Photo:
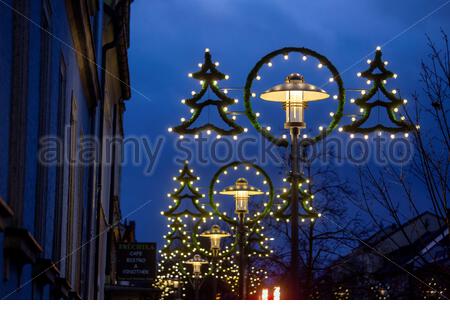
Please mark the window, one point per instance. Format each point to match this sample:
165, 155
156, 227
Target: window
44, 122
18, 114
61, 124
70, 245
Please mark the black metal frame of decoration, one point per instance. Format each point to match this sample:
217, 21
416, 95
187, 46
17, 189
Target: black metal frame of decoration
307, 52
363, 102
249, 222
208, 82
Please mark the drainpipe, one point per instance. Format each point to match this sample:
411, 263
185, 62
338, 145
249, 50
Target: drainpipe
106, 47
92, 187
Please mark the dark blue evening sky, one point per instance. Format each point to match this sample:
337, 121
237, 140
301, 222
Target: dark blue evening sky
168, 38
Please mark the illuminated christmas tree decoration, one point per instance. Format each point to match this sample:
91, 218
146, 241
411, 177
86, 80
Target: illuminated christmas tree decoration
209, 77
378, 73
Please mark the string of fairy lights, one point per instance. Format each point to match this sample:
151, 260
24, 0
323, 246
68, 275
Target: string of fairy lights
209, 78
185, 225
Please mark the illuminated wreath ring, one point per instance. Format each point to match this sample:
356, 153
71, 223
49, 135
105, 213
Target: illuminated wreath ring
249, 222
306, 52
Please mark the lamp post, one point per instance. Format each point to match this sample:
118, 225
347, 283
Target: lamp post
294, 94
241, 191
197, 261
175, 283
215, 234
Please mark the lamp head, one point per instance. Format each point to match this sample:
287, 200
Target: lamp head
295, 94
241, 191
215, 234
294, 86
197, 261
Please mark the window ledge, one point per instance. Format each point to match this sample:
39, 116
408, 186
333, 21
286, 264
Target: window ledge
62, 288
20, 246
74, 295
6, 214
45, 271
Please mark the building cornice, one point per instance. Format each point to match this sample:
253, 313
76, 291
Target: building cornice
83, 42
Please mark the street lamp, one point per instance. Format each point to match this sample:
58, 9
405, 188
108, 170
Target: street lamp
215, 234
197, 261
174, 282
294, 94
241, 191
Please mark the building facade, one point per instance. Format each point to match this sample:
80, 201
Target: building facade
407, 261
64, 80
